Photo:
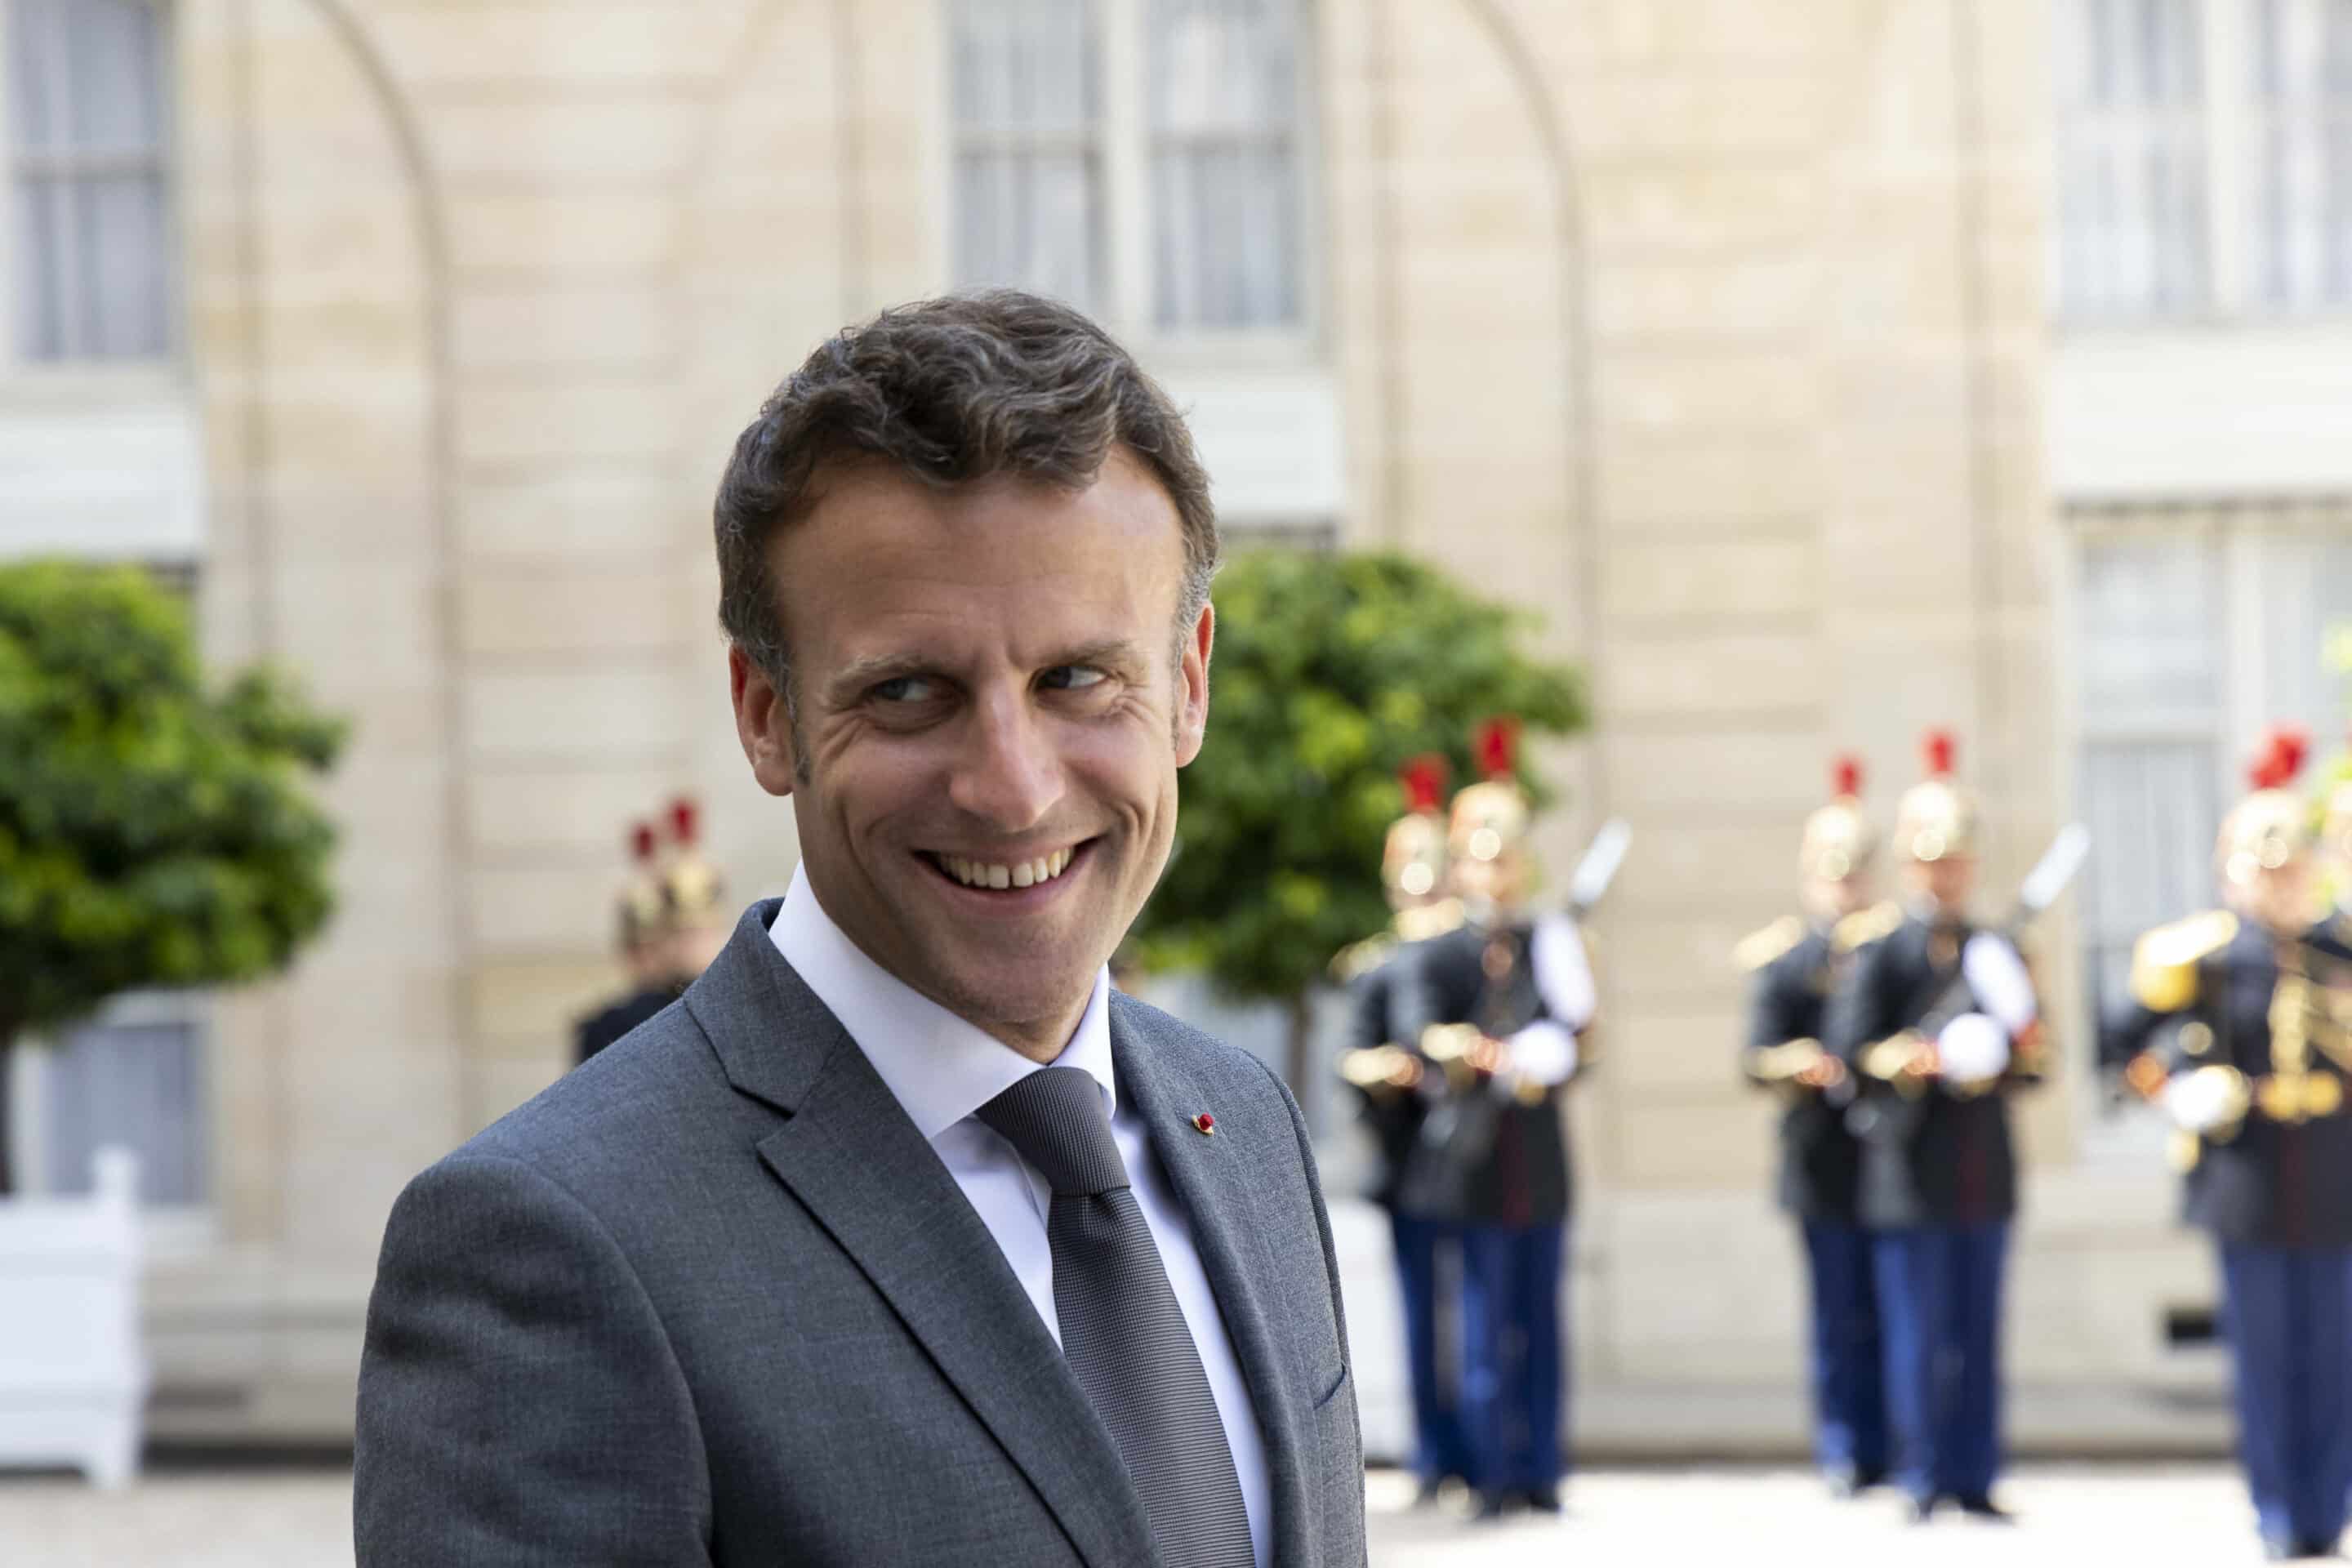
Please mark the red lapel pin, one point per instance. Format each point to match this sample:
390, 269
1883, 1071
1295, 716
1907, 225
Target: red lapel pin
1204, 1124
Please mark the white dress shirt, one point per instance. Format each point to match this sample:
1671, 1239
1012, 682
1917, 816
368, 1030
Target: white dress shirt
942, 1068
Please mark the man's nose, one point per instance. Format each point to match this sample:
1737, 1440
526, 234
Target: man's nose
1007, 774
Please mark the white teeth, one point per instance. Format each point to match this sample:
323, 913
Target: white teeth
1027, 874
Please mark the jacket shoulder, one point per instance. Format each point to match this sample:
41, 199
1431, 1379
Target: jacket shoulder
2165, 960
1771, 944
1866, 926
1196, 1049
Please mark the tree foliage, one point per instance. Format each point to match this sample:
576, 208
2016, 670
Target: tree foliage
1330, 672
154, 831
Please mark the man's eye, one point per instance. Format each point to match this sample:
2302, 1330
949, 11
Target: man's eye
1073, 678
902, 688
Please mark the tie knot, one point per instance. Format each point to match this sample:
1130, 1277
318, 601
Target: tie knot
1055, 1117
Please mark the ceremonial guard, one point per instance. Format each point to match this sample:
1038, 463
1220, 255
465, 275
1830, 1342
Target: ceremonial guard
1500, 1003
1795, 962
673, 920
1395, 1087
644, 932
2239, 1027
1937, 1022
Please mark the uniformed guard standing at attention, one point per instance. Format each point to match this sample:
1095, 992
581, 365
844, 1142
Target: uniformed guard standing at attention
2238, 1027
1937, 1022
1795, 962
1396, 1086
696, 895
644, 932
1501, 1003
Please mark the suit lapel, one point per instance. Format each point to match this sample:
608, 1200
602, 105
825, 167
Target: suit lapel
1212, 1177
849, 1152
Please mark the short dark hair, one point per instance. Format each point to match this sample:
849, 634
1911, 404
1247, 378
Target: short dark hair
947, 390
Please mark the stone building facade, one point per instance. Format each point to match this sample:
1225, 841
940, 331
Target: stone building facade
1713, 330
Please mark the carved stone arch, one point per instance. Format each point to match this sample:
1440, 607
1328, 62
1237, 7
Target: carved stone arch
318, 351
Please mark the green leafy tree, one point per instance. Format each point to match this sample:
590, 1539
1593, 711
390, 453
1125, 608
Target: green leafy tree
1330, 672
154, 831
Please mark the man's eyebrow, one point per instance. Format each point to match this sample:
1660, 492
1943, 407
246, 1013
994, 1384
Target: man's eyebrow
1116, 652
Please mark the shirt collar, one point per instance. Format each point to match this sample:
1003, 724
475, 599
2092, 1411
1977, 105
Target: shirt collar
940, 1067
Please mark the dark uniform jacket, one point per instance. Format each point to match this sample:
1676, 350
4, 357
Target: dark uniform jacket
1392, 1115
1484, 1156
2280, 1174
1820, 1160
1934, 1152
603, 1028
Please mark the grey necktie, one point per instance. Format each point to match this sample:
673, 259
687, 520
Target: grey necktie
1122, 1331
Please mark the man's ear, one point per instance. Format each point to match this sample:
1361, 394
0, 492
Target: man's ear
762, 723
1192, 685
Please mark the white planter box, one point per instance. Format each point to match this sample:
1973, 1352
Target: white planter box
73, 1377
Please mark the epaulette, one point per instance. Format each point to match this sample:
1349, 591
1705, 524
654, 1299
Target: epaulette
1429, 920
1759, 948
1358, 959
1866, 926
2164, 962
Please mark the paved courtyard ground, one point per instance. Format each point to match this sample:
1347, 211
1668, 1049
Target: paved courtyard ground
2143, 1516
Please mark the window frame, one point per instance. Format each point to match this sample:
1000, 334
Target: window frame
87, 380
1123, 140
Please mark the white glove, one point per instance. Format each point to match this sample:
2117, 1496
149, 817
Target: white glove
1996, 973
1543, 1053
1972, 1047
2201, 1102
1563, 975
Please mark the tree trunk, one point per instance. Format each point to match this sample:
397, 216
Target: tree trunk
1301, 1013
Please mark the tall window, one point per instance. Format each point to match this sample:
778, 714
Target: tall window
1138, 158
88, 259
2301, 139
2204, 157
2194, 632
2132, 184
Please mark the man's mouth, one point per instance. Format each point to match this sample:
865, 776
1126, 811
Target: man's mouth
1004, 875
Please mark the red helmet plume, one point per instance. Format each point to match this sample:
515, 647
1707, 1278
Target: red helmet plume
1845, 776
685, 819
2280, 759
1423, 779
642, 840
1937, 749
1497, 746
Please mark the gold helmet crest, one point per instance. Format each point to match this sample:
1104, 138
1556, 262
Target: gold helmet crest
1838, 839
1412, 861
2272, 826
1936, 819
1491, 818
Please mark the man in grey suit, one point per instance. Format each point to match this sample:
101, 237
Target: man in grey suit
901, 1238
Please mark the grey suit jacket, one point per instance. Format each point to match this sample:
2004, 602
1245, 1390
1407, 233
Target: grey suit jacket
712, 1299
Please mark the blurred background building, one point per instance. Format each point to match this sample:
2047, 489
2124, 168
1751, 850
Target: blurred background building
1819, 369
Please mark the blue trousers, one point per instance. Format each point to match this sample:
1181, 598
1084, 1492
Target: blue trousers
1513, 1385
1429, 1258
2288, 1316
1849, 1387
1939, 1314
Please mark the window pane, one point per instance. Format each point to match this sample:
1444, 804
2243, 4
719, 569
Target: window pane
120, 240
1028, 204
138, 1084
2131, 158
41, 232
1028, 220
1224, 177
2148, 616
111, 47
2301, 181
37, 116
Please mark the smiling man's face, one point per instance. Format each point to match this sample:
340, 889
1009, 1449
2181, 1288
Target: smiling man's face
992, 701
